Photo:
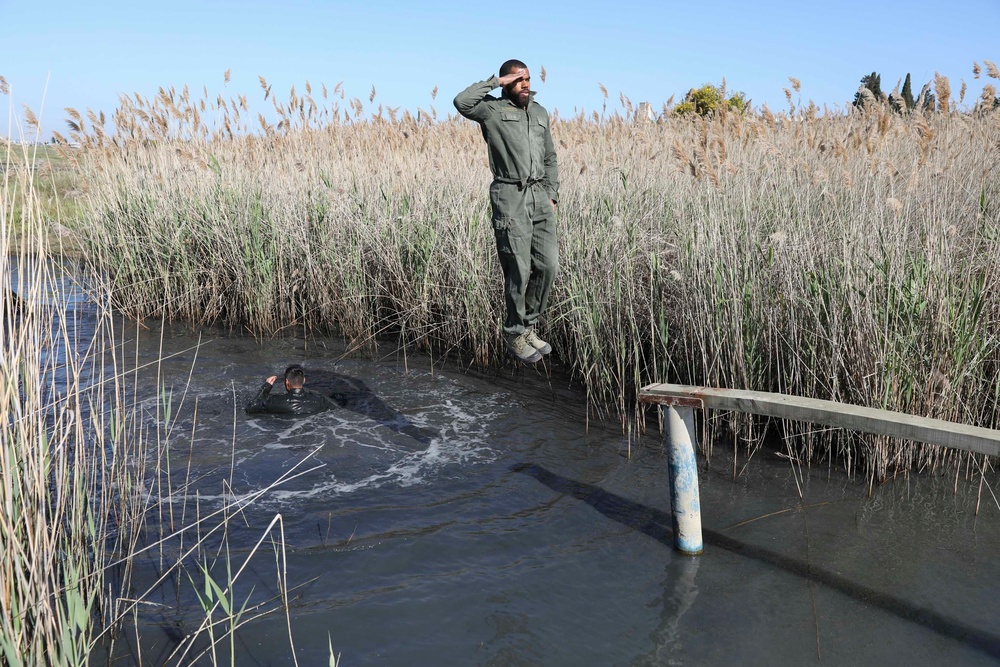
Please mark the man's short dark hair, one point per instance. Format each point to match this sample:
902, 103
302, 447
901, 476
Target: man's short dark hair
295, 375
509, 65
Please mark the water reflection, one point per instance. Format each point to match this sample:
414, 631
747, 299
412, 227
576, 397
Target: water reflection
657, 524
11, 304
679, 594
419, 527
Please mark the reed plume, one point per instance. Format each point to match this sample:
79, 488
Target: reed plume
942, 90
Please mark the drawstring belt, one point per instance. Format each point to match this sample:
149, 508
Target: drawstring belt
521, 184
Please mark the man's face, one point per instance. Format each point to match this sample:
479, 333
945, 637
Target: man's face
520, 90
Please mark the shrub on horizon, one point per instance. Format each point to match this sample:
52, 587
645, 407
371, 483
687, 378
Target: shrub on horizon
710, 98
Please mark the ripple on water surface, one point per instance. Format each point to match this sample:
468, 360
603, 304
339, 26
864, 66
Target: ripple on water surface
451, 519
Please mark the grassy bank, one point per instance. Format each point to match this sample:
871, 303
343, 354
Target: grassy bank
64, 499
86, 486
848, 257
53, 194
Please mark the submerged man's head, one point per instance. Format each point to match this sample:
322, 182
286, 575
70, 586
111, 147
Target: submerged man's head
295, 377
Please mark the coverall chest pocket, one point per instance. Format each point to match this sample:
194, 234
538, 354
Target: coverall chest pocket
538, 129
512, 126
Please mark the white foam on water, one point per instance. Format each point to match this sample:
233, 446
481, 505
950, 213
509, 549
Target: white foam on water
435, 426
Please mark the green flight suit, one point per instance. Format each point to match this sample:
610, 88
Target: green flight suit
525, 183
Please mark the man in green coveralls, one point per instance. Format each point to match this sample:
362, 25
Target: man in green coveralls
524, 195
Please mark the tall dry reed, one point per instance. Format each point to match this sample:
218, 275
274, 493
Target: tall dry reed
64, 500
86, 488
842, 256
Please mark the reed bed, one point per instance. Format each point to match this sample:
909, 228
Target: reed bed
57, 488
846, 256
86, 487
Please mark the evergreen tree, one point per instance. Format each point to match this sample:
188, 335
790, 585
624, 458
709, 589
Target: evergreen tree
908, 94
926, 100
873, 82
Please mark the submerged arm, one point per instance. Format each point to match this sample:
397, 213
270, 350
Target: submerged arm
258, 403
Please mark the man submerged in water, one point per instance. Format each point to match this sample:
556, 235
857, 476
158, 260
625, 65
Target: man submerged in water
295, 401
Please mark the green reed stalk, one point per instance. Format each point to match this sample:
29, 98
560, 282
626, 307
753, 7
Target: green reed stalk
76, 496
56, 490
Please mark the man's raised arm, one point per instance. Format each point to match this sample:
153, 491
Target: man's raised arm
469, 101
258, 403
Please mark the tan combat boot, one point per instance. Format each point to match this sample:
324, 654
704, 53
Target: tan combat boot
518, 346
536, 342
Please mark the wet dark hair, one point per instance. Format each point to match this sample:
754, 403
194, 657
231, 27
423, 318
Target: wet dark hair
511, 64
295, 375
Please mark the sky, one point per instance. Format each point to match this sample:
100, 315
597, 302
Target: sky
57, 54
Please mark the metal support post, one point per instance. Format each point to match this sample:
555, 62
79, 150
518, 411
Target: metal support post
684, 498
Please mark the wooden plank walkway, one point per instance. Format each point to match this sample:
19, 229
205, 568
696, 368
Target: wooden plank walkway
869, 420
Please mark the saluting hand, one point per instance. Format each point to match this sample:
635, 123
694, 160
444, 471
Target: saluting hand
509, 78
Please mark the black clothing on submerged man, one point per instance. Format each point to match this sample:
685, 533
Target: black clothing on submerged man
295, 401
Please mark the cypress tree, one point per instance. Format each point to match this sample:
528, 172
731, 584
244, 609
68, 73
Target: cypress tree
872, 82
908, 94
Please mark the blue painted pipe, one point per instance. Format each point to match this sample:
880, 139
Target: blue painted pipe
684, 497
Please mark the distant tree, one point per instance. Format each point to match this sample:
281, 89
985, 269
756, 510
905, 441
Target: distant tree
870, 92
873, 84
902, 102
709, 99
926, 100
908, 94
988, 101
